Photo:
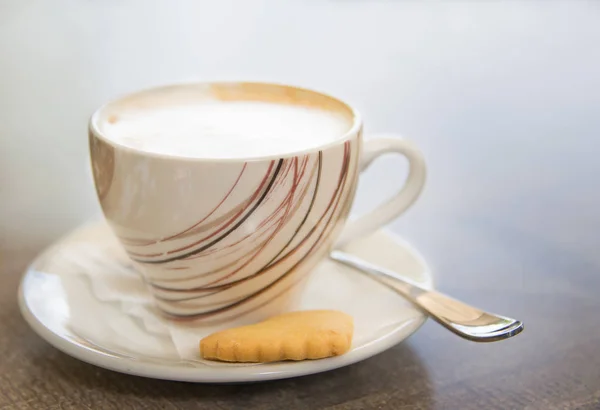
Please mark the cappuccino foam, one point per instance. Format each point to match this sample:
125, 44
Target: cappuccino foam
217, 129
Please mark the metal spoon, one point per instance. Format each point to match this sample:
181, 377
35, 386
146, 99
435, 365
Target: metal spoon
462, 319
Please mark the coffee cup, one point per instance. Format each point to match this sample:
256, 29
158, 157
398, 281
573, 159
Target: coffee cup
226, 195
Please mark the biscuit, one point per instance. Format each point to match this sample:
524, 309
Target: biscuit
311, 334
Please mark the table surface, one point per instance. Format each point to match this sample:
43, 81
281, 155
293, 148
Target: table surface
502, 97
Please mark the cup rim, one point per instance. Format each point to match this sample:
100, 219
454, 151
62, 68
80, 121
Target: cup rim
356, 125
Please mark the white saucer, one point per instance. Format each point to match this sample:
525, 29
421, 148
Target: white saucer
65, 305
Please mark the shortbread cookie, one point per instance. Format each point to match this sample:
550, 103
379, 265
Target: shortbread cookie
311, 334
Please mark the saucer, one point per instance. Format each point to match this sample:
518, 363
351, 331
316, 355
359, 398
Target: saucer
70, 297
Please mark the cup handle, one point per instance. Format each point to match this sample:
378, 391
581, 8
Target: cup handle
401, 201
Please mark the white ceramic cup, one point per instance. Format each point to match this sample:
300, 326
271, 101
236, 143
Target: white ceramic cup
218, 239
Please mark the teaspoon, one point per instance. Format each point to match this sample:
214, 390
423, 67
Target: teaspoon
464, 320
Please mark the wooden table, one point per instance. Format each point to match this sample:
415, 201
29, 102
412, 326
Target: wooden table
501, 96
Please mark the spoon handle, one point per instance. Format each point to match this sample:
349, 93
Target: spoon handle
464, 320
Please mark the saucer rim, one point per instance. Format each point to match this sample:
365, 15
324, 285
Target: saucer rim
209, 374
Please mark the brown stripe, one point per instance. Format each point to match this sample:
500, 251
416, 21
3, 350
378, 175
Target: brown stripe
261, 270
229, 217
288, 201
214, 209
261, 225
261, 291
182, 233
336, 195
220, 269
336, 198
230, 221
217, 240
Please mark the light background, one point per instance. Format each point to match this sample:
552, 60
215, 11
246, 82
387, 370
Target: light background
503, 97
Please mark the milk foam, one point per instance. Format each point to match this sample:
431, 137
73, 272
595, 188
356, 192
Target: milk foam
215, 129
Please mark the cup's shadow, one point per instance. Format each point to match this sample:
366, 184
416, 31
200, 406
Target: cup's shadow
396, 376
